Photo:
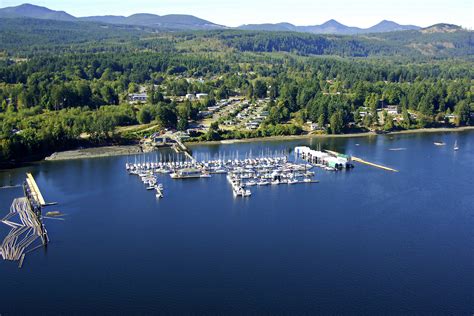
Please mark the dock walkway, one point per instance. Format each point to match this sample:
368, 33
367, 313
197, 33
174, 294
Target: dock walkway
34, 190
180, 147
360, 160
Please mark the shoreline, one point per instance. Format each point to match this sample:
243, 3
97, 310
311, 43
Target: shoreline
351, 135
108, 151
94, 152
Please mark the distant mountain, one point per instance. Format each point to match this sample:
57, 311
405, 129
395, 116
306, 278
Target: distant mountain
171, 21
278, 27
110, 19
168, 22
441, 28
331, 27
188, 22
36, 12
390, 26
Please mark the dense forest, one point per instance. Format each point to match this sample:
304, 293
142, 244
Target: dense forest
66, 84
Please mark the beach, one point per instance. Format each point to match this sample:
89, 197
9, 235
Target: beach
95, 152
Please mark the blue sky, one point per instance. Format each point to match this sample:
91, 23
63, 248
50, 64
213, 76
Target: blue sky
362, 13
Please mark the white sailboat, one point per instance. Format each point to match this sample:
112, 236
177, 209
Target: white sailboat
456, 147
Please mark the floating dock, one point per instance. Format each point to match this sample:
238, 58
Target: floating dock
34, 190
360, 160
373, 164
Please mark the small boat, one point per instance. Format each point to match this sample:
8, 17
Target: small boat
293, 181
246, 193
240, 191
251, 183
397, 149
456, 147
263, 182
439, 143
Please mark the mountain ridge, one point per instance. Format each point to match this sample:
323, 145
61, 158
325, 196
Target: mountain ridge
331, 27
33, 11
190, 22
170, 21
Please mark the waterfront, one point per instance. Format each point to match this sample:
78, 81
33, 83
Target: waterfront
364, 240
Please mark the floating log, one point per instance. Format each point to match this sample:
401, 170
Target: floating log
21, 261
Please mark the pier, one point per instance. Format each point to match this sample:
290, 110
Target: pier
179, 146
34, 190
360, 160
25, 219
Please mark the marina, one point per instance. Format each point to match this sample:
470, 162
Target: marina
266, 168
273, 168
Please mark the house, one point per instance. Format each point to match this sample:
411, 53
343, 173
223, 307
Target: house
190, 97
213, 108
252, 125
182, 135
163, 140
201, 96
313, 126
140, 97
160, 140
451, 118
204, 114
229, 122
392, 109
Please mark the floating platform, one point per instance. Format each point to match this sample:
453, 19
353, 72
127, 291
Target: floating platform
360, 160
34, 190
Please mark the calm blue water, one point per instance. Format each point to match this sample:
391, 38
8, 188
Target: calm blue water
364, 241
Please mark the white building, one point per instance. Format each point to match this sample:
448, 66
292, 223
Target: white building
392, 109
201, 96
137, 97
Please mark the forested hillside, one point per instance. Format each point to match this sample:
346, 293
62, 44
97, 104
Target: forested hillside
22, 36
64, 84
